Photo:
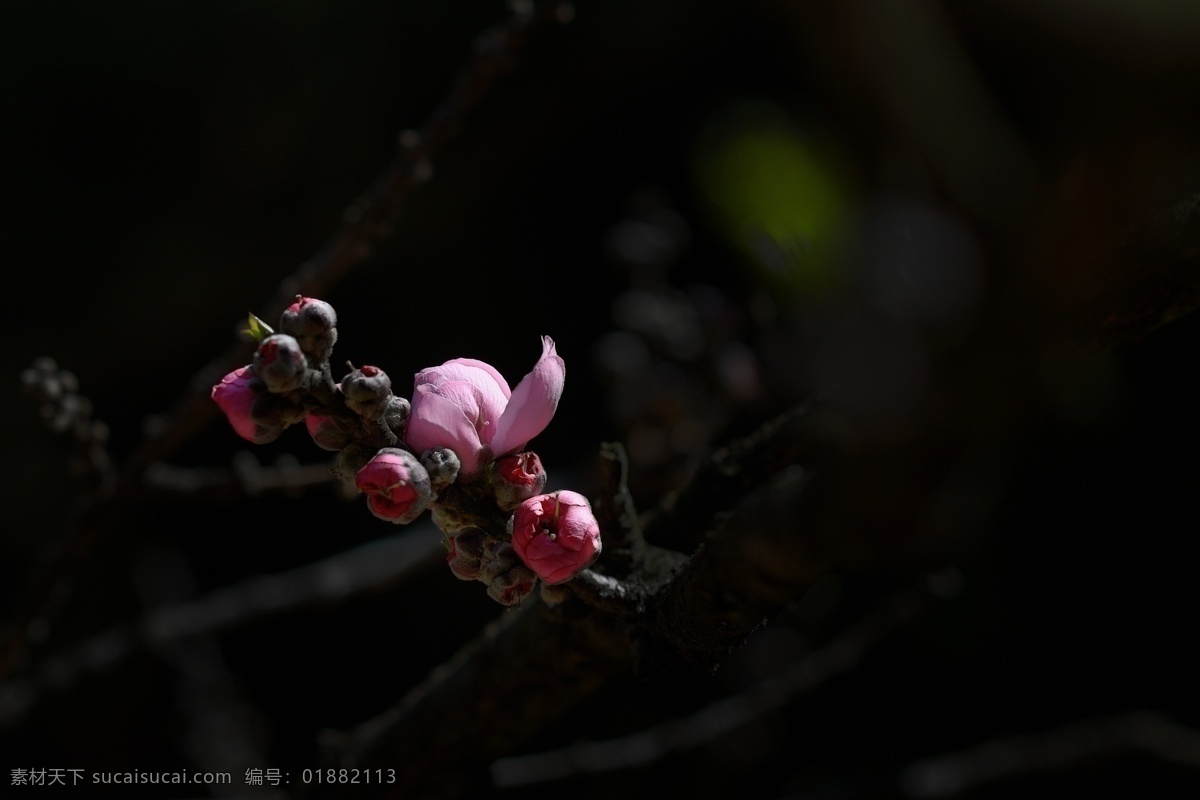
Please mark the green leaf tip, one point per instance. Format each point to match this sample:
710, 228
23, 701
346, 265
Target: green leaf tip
257, 329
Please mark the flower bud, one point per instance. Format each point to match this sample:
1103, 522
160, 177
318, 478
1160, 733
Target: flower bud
396, 485
442, 466
395, 415
277, 410
330, 431
517, 478
556, 535
314, 325
513, 586
236, 395
466, 553
367, 391
280, 364
498, 557
450, 518
350, 459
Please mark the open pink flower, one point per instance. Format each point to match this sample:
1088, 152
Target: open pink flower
556, 535
466, 406
396, 485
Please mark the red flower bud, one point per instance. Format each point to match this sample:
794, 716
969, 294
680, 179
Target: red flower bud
556, 535
396, 485
517, 478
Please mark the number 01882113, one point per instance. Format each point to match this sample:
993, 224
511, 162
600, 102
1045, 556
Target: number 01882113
348, 776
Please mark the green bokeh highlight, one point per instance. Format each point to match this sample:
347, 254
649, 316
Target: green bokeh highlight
776, 194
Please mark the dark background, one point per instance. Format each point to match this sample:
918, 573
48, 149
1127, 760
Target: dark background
168, 164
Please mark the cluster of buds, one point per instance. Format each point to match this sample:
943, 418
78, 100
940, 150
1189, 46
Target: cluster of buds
457, 449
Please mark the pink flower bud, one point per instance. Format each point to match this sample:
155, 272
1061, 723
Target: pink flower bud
517, 478
235, 395
556, 535
466, 405
280, 364
396, 485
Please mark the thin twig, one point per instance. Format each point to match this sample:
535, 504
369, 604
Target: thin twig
245, 477
334, 579
1139, 732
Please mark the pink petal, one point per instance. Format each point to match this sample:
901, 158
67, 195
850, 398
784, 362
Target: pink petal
438, 420
493, 389
533, 402
486, 367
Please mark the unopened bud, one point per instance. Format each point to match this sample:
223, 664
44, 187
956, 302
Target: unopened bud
396, 485
516, 478
442, 465
331, 431
451, 520
276, 410
350, 459
466, 553
498, 558
280, 364
513, 586
367, 391
395, 415
313, 323
236, 394
556, 535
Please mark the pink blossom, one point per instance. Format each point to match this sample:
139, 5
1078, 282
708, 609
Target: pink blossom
235, 395
466, 406
556, 535
396, 485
